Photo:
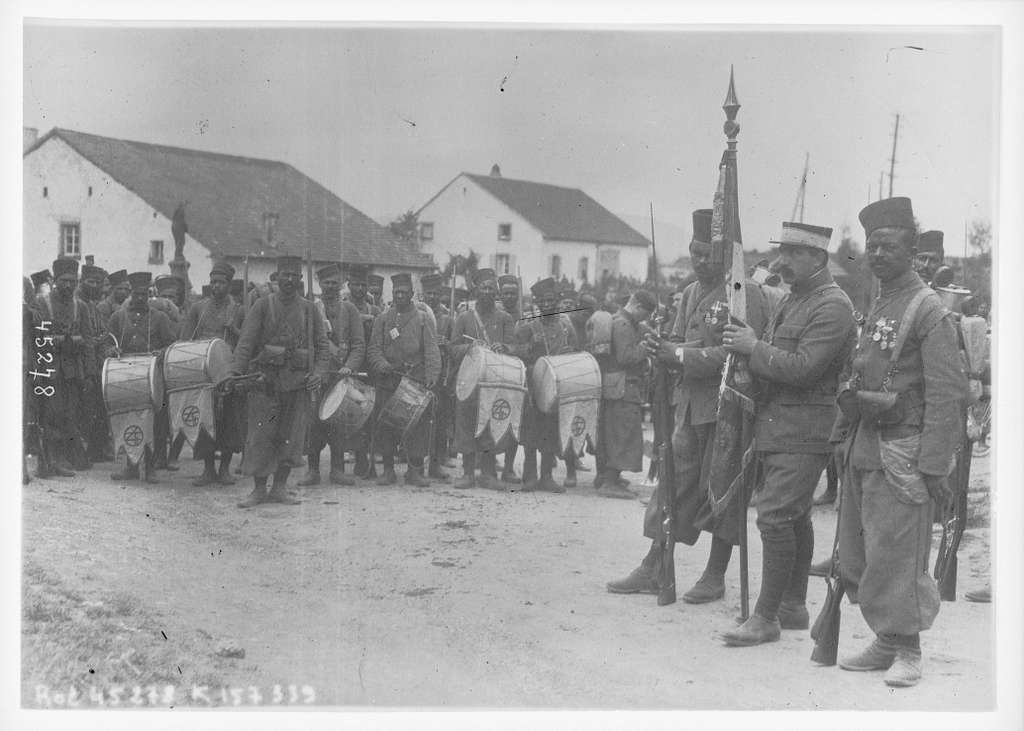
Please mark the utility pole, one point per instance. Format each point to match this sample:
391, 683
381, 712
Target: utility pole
798, 204
892, 160
881, 177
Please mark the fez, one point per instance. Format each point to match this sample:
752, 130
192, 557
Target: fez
804, 234
167, 281
568, 294
91, 272
507, 279
65, 266
402, 279
140, 280
289, 264
118, 277
702, 226
931, 241
888, 213
544, 286
40, 277
331, 270
588, 301
484, 275
431, 282
223, 269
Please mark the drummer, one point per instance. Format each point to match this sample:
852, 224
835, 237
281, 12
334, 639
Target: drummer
511, 302
140, 329
348, 349
218, 316
403, 343
368, 311
430, 285
549, 333
492, 328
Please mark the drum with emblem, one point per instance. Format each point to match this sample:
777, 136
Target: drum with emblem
569, 377
196, 363
132, 383
348, 405
406, 407
482, 366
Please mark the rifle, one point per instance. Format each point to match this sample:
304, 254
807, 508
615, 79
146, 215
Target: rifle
954, 521
310, 328
825, 631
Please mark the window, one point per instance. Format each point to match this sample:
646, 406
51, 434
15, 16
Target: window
556, 266
504, 232
71, 240
156, 252
503, 264
426, 232
582, 269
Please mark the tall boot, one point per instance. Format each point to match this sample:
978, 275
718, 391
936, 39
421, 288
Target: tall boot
777, 567
468, 479
414, 473
793, 610
489, 473
547, 483
644, 578
711, 585
313, 472
209, 475
338, 476
258, 494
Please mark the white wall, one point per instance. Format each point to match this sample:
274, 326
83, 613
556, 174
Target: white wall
116, 225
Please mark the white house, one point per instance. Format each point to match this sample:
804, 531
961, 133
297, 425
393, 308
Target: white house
115, 199
536, 229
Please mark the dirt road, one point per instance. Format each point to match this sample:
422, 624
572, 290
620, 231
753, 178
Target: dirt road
397, 596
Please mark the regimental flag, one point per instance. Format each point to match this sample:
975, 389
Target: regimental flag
191, 409
133, 432
500, 408
577, 422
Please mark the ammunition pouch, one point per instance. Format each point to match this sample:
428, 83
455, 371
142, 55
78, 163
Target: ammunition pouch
881, 408
280, 356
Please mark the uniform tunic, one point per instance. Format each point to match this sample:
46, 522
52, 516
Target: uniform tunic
885, 529
348, 350
805, 347
537, 337
407, 343
94, 424
498, 327
223, 319
697, 327
279, 415
444, 418
620, 436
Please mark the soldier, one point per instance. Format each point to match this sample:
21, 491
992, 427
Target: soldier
119, 291
805, 347
403, 343
142, 329
276, 341
73, 367
170, 298
41, 281
94, 425
930, 257
694, 351
494, 328
549, 333
375, 288
620, 434
898, 447
348, 349
218, 316
511, 303
367, 314
444, 394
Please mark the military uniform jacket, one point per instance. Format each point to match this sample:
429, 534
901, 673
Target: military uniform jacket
348, 341
798, 363
209, 318
68, 320
627, 358
699, 321
544, 335
367, 314
100, 342
928, 375
283, 324
407, 342
141, 331
107, 307
498, 327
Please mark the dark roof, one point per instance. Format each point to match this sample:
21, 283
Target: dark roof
227, 196
565, 214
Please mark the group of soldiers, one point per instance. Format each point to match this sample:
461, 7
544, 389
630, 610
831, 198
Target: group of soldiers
882, 395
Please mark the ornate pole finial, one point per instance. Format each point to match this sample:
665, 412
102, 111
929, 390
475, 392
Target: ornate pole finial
731, 107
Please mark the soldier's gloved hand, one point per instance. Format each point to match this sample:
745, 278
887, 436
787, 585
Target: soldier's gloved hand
938, 489
344, 372
313, 381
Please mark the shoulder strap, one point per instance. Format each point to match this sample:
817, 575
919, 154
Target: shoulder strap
906, 323
480, 327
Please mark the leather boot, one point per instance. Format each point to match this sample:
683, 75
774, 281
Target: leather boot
709, 587
508, 476
312, 473
755, 631
414, 477
388, 477
224, 475
340, 478
362, 467
642, 580
981, 596
279, 494
490, 482
879, 655
793, 616
905, 670
436, 473
208, 477
466, 482
257, 496
547, 484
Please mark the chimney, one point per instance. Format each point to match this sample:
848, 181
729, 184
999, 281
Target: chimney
495, 171
29, 135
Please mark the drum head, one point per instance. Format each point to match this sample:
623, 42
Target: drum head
545, 388
330, 402
469, 373
218, 360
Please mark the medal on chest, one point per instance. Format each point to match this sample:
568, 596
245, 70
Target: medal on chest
718, 312
883, 333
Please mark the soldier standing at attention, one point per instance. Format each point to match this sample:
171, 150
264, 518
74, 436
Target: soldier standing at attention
404, 343
510, 302
899, 447
367, 314
94, 426
275, 340
444, 392
218, 316
142, 330
348, 349
808, 339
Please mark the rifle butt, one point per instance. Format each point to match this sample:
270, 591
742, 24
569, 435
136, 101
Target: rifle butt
667, 577
947, 581
825, 631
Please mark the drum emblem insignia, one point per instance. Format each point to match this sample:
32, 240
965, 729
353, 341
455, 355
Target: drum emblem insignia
190, 415
501, 410
133, 435
579, 424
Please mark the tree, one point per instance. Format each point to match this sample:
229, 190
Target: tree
406, 227
979, 238
462, 265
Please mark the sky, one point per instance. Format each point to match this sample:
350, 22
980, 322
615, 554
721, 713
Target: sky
385, 117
